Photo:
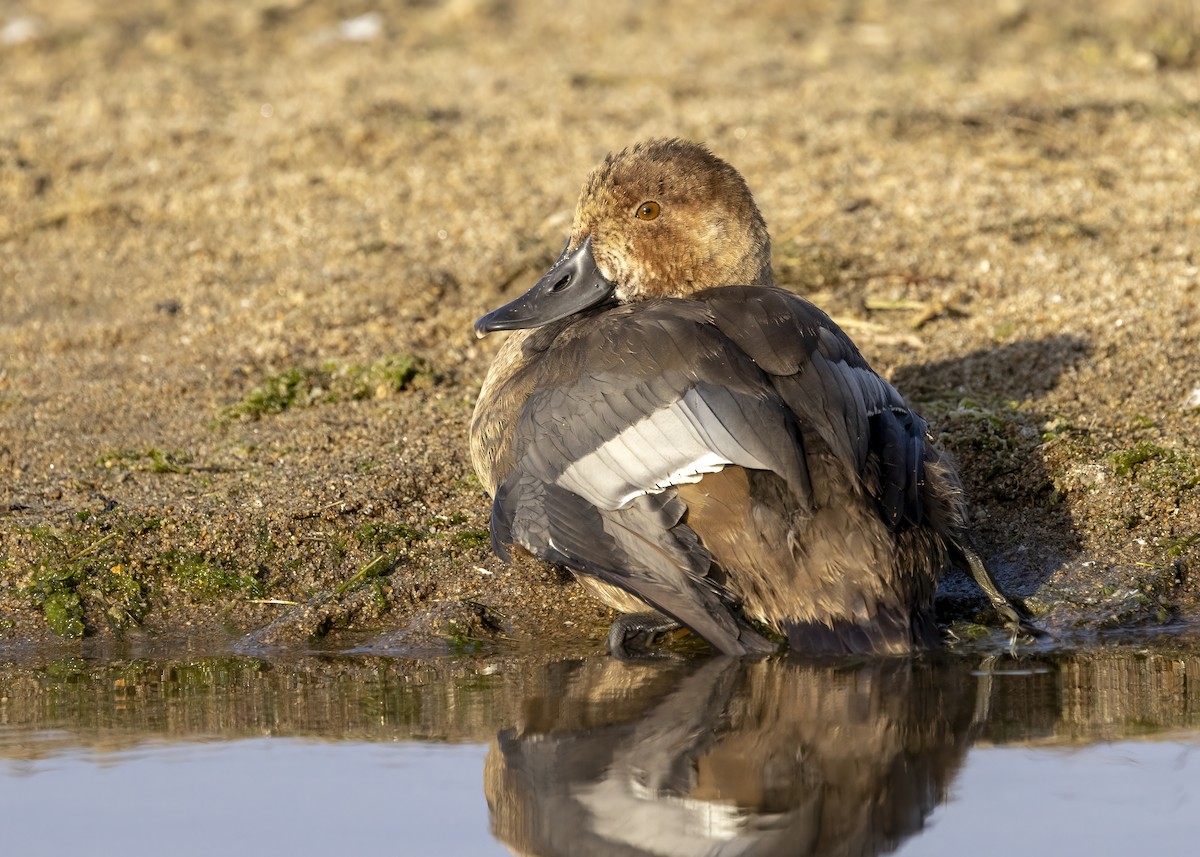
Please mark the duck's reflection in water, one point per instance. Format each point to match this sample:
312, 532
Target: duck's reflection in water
718, 757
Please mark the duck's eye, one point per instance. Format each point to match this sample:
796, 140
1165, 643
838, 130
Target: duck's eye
648, 210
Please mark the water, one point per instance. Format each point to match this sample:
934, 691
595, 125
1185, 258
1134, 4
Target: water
248, 796
1086, 752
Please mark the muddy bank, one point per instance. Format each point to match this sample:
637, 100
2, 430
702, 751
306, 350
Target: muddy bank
241, 246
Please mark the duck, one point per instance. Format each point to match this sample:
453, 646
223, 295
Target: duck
703, 449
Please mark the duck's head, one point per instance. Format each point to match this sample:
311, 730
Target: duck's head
664, 218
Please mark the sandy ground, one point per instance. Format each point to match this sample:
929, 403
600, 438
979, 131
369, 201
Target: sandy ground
241, 246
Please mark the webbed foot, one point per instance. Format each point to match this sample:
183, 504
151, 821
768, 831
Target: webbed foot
632, 634
1021, 626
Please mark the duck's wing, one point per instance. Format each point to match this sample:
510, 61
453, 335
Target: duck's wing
817, 370
642, 548
884, 444
630, 403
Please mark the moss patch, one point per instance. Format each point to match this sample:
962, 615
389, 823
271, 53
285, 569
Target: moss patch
1125, 462
471, 538
329, 383
150, 460
207, 577
84, 573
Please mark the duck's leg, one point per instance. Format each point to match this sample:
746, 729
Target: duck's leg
1000, 602
632, 634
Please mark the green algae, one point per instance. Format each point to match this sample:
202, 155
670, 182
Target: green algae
331, 382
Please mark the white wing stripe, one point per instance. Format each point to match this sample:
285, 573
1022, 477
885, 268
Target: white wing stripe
668, 447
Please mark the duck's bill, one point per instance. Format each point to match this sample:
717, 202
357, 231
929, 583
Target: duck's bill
572, 285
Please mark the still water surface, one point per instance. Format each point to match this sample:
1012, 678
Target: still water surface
1087, 752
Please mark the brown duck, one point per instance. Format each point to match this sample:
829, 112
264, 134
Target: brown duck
702, 448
